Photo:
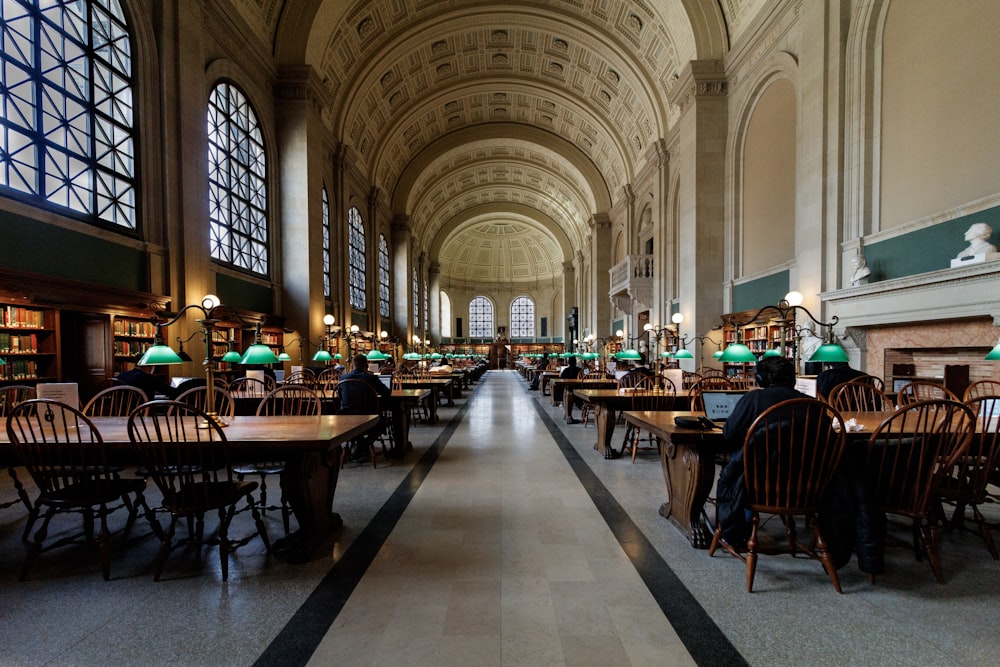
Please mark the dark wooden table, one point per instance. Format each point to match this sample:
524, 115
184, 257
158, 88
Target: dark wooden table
436, 386
607, 404
688, 460
563, 390
309, 446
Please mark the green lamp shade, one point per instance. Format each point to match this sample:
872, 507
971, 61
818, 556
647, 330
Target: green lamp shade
437, 355
717, 354
994, 354
665, 355
322, 355
683, 354
829, 352
773, 352
411, 356
2, 362
375, 355
159, 355
284, 357
737, 353
338, 356
629, 355
259, 353
231, 357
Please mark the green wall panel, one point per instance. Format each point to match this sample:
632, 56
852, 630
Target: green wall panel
765, 291
243, 294
929, 249
29, 245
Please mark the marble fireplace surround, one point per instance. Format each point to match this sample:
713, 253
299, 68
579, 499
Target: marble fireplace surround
950, 308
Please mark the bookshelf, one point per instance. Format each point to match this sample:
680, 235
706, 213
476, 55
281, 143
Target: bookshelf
760, 336
131, 336
29, 344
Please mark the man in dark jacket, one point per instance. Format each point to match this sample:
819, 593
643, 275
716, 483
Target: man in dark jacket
847, 519
836, 373
354, 402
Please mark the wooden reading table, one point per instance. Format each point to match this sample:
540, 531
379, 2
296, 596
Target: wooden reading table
607, 404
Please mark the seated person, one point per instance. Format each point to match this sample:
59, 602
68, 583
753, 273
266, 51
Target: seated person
541, 366
152, 385
571, 372
442, 367
847, 518
353, 402
837, 372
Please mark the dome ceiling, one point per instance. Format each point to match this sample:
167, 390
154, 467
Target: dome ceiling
487, 123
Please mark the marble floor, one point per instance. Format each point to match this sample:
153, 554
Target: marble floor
504, 539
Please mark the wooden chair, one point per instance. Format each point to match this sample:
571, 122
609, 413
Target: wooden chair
116, 401
922, 390
187, 456
65, 455
790, 455
304, 376
285, 400
648, 398
593, 376
250, 387
328, 379
707, 383
908, 456
982, 388
197, 397
742, 381
859, 396
966, 484
10, 397
362, 399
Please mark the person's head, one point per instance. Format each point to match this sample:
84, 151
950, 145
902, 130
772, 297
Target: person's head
359, 362
572, 362
775, 372
980, 230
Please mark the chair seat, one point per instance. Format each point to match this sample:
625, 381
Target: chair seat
94, 492
193, 498
262, 468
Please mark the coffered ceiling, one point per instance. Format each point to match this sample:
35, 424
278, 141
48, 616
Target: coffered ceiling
498, 126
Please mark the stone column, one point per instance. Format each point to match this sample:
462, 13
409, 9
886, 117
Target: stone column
569, 298
702, 127
299, 99
600, 264
401, 277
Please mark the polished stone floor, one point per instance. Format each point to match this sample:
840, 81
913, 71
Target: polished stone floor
502, 538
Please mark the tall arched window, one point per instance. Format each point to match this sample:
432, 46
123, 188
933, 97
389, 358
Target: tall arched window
237, 190
326, 244
383, 276
356, 258
427, 309
522, 318
416, 301
481, 318
445, 315
67, 135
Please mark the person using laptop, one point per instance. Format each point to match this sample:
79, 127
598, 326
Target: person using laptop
776, 377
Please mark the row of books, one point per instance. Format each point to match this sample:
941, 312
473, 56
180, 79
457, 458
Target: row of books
20, 317
19, 369
134, 328
14, 343
129, 348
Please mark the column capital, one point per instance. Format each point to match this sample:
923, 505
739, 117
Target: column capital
600, 221
401, 225
699, 78
434, 269
570, 266
301, 82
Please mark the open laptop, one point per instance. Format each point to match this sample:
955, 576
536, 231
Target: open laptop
719, 404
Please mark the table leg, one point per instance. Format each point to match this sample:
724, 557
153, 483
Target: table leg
568, 405
604, 419
308, 483
689, 473
401, 428
432, 419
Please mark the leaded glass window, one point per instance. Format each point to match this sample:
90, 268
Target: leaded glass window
445, 315
383, 276
481, 318
427, 308
356, 258
326, 245
522, 318
67, 135
416, 302
237, 189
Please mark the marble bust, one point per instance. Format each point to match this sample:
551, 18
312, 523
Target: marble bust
861, 270
978, 236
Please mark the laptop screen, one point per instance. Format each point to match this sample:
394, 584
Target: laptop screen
719, 404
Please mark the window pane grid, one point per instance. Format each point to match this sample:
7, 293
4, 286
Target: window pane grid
383, 276
66, 107
326, 245
522, 318
236, 182
356, 259
416, 301
481, 318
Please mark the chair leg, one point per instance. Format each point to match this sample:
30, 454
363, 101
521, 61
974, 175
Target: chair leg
104, 544
716, 539
826, 558
752, 551
165, 541
35, 545
929, 537
984, 530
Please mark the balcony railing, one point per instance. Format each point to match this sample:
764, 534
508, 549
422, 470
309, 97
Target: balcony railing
632, 280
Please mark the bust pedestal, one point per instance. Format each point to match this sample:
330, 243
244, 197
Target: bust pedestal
976, 258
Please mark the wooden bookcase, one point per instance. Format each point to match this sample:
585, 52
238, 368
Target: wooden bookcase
131, 337
760, 336
29, 343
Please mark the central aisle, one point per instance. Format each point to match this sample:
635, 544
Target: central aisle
501, 558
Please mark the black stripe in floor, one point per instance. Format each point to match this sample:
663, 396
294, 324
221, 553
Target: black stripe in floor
701, 636
301, 636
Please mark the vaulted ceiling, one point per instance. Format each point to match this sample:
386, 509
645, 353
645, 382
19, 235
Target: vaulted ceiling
502, 127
